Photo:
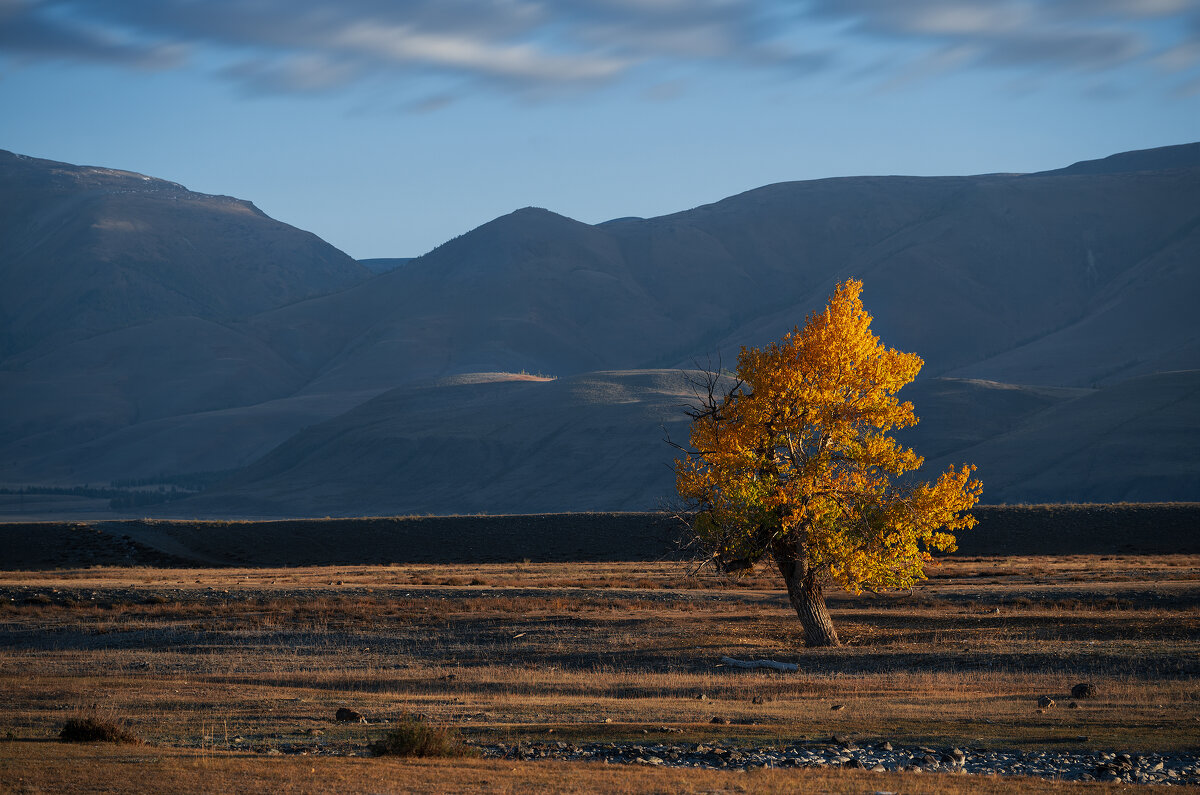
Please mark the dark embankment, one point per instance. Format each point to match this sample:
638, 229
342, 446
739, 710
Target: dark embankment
1125, 528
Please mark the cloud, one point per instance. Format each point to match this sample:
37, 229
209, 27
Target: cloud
1047, 35
318, 45
314, 45
547, 46
26, 31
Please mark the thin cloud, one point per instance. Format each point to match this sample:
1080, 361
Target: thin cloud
26, 31
1051, 35
547, 48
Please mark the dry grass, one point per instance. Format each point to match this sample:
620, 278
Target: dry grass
38, 768
215, 667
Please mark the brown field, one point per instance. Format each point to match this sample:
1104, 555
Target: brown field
216, 668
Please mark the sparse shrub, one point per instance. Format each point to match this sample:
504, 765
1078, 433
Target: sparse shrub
94, 730
413, 735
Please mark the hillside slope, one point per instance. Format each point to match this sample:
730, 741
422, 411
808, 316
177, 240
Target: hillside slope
85, 250
1025, 294
1022, 270
598, 442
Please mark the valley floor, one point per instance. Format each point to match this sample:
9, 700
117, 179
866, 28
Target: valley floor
232, 676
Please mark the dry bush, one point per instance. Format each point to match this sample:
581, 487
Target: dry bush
413, 735
96, 730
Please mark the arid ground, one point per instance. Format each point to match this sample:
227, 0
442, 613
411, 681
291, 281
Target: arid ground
232, 676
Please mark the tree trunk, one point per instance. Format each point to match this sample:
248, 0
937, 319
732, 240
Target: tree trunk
804, 592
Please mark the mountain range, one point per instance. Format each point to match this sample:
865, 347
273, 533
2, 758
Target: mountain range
536, 363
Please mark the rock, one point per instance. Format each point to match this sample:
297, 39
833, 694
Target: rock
347, 715
840, 739
1073, 705
1084, 690
1045, 701
837, 708
886, 746
758, 700
954, 756
719, 719
702, 697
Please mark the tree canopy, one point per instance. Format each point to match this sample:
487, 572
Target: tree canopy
794, 459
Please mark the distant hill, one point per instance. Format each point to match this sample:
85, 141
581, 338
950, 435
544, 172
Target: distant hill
596, 442
1053, 311
384, 264
1164, 158
85, 250
1028, 272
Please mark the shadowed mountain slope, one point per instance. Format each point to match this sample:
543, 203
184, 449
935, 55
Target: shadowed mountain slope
1026, 295
488, 443
85, 250
1021, 269
1163, 158
596, 442
1136, 441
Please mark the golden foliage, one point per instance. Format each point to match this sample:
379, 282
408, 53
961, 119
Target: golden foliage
798, 453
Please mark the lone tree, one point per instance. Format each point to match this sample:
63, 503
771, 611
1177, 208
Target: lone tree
794, 459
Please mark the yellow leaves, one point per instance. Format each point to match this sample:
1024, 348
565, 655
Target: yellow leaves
802, 450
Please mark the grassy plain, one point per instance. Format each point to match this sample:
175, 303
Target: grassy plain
218, 668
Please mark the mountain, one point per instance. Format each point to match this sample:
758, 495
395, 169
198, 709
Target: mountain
1052, 310
85, 250
485, 443
1022, 271
384, 264
1163, 158
596, 442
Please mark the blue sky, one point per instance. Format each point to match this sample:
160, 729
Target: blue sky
389, 127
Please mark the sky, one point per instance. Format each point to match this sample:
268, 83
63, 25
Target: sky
390, 126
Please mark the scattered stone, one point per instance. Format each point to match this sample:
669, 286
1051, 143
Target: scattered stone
1045, 701
1084, 690
1171, 768
347, 715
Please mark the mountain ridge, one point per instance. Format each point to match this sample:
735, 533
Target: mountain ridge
1026, 294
